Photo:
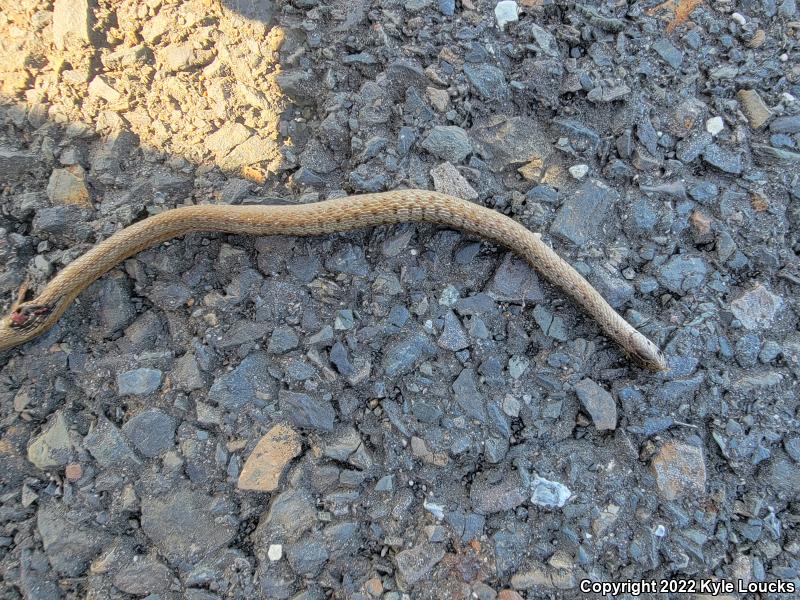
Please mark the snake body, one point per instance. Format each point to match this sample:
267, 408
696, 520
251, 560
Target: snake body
30, 319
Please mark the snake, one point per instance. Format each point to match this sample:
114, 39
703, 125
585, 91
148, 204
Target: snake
29, 319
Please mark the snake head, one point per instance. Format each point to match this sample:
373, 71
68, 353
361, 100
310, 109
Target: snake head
26, 321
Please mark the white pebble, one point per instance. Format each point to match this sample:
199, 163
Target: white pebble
714, 125
506, 11
275, 552
579, 171
739, 18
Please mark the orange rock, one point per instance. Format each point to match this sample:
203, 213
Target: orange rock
266, 463
508, 595
73, 472
680, 470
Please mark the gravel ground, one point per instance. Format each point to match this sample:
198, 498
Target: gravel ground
402, 412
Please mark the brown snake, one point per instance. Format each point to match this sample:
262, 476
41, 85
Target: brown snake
30, 319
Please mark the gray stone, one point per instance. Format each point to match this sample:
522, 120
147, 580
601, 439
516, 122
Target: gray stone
304, 411
108, 446
488, 81
52, 447
747, 349
341, 359
169, 296
682, 273
152, 432
582, 213
282, 340
248, 382
116, 308
513, 281
788, 8
16, 162
692, 147
69, 545
671, 55
447, 180
467, 395
400, 356
186, 373
448, 142
415, 563
307, 557
549, 494
492, 497
71, 23
145, 575
550, 324
598, 403
756, 308
723, 159
186, 525
790, 124
784, 476
453, 336
792, 447
139, 382
511, 141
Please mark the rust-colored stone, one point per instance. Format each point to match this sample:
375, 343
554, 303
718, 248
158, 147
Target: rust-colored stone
269, 458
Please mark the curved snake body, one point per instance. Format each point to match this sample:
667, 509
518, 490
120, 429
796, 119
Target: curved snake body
32, 318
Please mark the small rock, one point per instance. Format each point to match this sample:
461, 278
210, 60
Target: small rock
101, 88
71, 23
754, 108
579, 171
680, 470
682, 273
152, 432
447, 180
108, 446
304, 411
413, 564
275, 552
756, 308
143, 577
513, 281
453, 337
265, 465
715, 125
669, 53
723, 159
68, 186
506, 12
139, 382
582, 213
52, 447
489, 498
448, 142
186, 525
789, 125
73, 472
489, 81
282, 340
549, 494
598, 403
400, 356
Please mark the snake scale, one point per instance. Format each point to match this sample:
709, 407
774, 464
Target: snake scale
29, 319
